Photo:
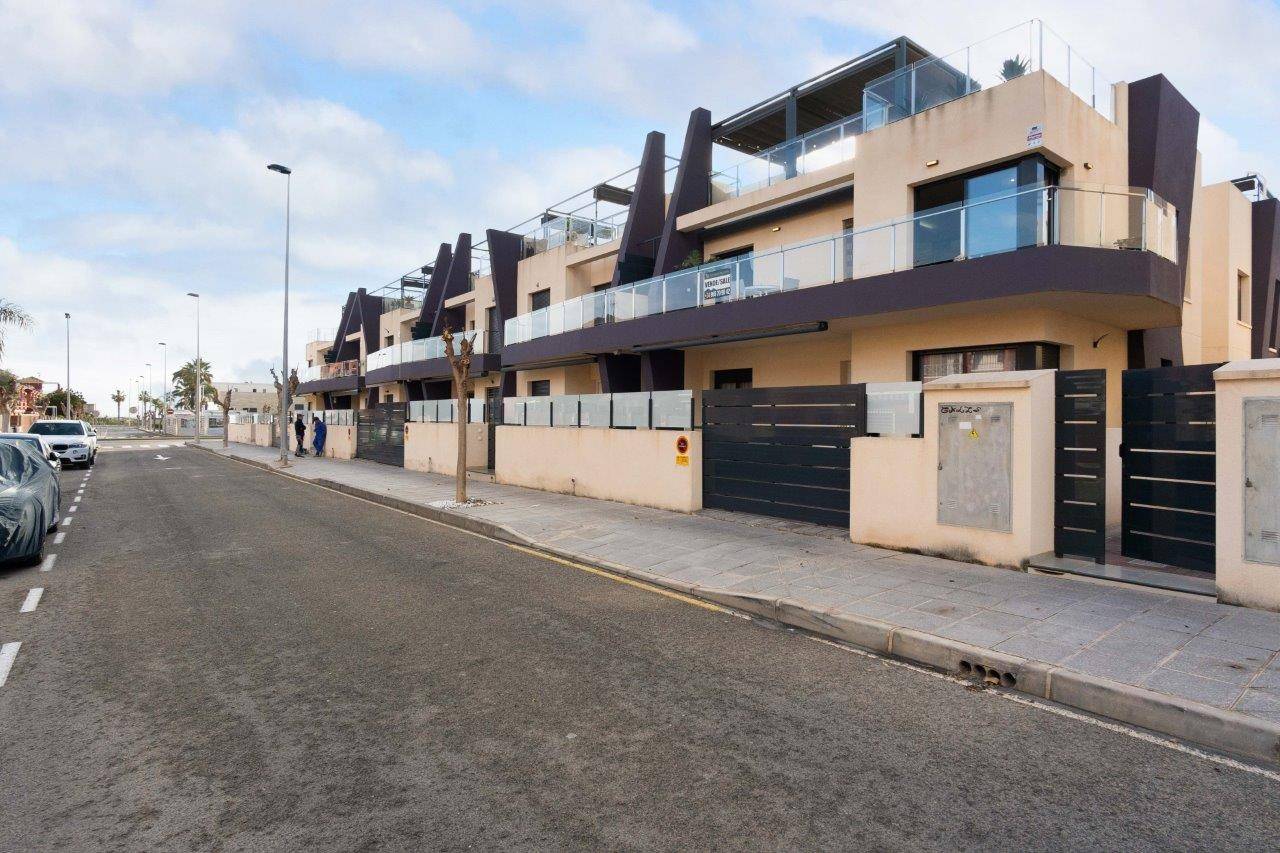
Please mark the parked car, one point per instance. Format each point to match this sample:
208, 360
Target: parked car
30, 497
40, 442
75, 442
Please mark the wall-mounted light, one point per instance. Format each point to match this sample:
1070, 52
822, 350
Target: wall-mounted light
776, 228
1088, 165
929, 164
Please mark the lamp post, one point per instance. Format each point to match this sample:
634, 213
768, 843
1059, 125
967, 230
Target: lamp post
284, 350
198, 387
164, 376
150, 387
68, 394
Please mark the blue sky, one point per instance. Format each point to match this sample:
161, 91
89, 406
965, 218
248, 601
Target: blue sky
135, 135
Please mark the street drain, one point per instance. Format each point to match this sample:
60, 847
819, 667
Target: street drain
988, 674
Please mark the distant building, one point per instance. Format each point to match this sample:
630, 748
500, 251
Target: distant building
253, 396
30, 390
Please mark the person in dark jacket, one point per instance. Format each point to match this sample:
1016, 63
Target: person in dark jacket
319, 432
300, 430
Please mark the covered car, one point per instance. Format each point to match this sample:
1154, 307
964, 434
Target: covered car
30, 496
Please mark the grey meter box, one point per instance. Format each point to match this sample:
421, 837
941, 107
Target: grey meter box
1262, 480
975, 465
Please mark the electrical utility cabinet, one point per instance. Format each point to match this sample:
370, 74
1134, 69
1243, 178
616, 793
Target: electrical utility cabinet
975, 465
1262, 480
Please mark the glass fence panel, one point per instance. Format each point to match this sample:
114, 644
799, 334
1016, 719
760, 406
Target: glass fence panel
938, 82
538, 323
564, 410
784, 161
672, 409
573, 314
1121, 221
417, 410
631, 410
555, 318
475, 411
445, 411
893, 408
935, 237
537, 411
762, 272
809, 265
680, 290
869, 252
593, 410
513, 411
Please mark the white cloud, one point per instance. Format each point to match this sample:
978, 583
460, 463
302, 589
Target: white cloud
114, 47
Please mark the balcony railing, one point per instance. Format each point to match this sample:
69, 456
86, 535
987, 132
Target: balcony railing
1024, 49
395, 303
321, 336
633, 410
1122, 218
815, 150
338, 369
419, 350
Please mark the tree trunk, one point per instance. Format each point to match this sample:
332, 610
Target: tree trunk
463, 415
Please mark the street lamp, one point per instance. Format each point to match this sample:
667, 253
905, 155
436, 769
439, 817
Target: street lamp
68, 394
150, 387
198, 387
284, 350
164, 375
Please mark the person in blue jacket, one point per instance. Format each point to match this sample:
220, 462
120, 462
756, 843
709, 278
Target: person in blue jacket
318, 433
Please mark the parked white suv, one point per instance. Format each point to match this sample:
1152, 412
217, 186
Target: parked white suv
75, 442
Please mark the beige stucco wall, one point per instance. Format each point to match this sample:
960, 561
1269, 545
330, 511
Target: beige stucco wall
1193, 286
630, 466
397, 324
823, 221
1227, 246
882, 353
576, 379
811, 359
240, 433
339, 441
894, 481
1239, 582
433, 447
982, 129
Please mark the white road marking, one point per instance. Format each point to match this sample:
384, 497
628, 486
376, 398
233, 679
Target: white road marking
77, 499
57, 540
72, 508
162, 458
49, 559
8, 652
33, 599
1062, 711
66, 522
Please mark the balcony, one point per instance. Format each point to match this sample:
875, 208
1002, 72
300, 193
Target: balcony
1021, 50
1097, 218
803, 155
338, 376
425, 359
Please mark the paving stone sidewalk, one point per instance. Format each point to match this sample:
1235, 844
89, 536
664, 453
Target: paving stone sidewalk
1189, 648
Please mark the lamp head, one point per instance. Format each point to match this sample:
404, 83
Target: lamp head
284, 170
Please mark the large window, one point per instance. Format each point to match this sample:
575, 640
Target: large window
1027, 356
540, 388
983, 213
539, 299
737, 378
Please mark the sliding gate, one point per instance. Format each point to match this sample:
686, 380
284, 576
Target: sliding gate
782, 452
1170, 468
380, 433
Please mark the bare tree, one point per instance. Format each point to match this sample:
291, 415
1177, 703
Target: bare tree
460, 362
224, 403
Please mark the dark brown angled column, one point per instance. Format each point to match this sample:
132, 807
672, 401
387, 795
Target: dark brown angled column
644, 219
431, 297
1163, 131
456, 281
505, 250
1266, 278
662, 370
619, 373
692, 192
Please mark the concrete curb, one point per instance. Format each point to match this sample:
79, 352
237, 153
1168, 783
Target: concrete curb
1203, 724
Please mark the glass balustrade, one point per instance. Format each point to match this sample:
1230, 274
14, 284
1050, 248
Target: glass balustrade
1006, 56
422, 350
818, 149
1120, 218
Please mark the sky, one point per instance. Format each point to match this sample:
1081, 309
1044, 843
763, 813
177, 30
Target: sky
135, 134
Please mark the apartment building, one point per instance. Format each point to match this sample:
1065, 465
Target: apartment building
900, 218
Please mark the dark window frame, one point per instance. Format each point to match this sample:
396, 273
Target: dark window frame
734, 377
1028, 355
539, 387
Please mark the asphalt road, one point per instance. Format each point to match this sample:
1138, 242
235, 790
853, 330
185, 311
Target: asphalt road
225, 659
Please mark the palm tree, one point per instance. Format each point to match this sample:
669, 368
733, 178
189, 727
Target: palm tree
12, 315
118, 398
185, 383
8, 395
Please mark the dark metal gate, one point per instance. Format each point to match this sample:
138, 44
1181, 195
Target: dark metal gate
1170, 467
492, 417
782, 452
1080, 464
380, 433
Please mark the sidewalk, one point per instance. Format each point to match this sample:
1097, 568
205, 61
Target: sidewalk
1188, 667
